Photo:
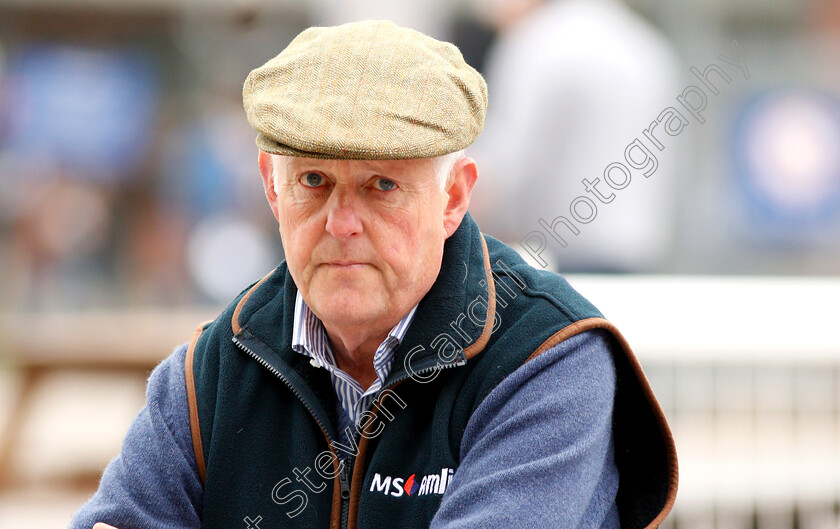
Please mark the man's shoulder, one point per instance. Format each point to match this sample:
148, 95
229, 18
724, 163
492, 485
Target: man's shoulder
266, 295
534, 289
534, 311
268, 289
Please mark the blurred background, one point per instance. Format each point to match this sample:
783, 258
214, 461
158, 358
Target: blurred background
680, 161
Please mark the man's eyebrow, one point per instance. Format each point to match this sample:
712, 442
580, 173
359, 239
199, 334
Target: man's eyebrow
297, 163
374, 166
295, 167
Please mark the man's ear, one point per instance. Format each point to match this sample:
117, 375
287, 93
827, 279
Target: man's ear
266, 164
462, 179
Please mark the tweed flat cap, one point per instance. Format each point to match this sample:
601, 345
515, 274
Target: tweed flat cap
365, 90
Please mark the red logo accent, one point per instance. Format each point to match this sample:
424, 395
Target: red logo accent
409, 485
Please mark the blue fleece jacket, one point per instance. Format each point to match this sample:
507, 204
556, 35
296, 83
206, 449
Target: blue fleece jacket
537, 451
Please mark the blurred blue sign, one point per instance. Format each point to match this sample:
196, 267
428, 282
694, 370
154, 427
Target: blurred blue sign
786, 153
88, 110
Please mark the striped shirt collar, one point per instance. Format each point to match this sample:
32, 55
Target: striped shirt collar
309, 338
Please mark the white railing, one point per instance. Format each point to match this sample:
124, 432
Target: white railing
748, 372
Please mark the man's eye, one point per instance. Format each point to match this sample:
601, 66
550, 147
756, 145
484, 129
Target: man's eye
312, 180
383, 184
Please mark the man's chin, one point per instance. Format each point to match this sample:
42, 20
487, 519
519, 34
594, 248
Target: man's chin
348, 307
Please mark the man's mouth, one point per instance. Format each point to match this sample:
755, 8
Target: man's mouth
349, 265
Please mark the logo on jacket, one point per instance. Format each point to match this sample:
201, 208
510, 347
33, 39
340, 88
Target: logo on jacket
412, 486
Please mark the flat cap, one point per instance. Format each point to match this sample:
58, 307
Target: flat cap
365, 90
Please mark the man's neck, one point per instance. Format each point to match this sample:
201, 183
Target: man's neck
354, 354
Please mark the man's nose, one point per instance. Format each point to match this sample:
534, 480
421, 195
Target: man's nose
343, 214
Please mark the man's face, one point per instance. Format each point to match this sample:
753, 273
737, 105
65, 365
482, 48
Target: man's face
363, 239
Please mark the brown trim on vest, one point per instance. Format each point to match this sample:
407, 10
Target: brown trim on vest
490, 319
359, 470
192, 403
234, 320
356, 483
335, 513
601, 323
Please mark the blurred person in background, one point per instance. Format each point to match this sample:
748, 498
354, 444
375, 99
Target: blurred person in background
573, 83
427, 16
66, 205
399, 369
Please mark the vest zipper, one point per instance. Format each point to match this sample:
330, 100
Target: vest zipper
346, 471
461, 362
344, 481
344, 475
280, 375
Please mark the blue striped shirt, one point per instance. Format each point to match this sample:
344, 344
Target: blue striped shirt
309, 338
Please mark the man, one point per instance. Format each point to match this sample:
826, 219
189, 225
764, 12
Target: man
399, 369
598, 74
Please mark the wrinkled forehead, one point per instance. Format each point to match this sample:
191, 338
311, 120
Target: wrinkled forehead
410, 167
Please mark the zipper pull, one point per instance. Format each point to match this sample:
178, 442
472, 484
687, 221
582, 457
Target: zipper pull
344, 479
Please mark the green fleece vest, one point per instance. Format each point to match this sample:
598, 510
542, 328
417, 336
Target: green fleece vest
262, 416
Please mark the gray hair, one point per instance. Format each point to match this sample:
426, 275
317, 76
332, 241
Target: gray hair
442, 166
